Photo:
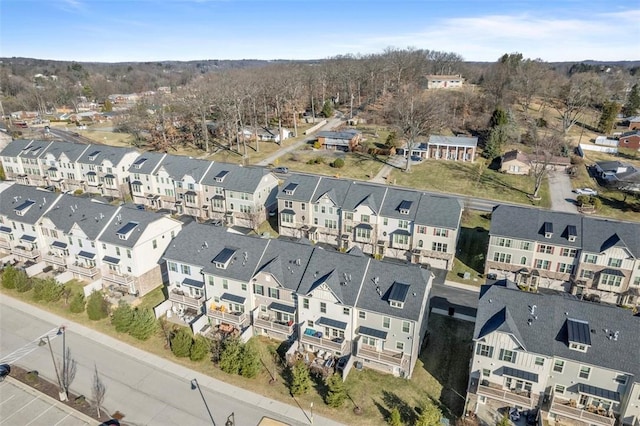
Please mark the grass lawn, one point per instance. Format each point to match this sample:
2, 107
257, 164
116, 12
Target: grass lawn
472, 248
356, 165
473, 179
153, 298
106, 137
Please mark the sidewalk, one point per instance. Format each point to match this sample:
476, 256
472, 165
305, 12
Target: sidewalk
292, 412
467, 287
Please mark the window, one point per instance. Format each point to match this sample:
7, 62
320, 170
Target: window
486, 372
346, 311
543, 248
523, 260
323, 307
172, 266
567, 252
615, 263
586, 274
243, 286
421, 229
185, 269
559, 389
211, 280
441, 232
348, 216
612, 280
403, 224
525, 245
363, 233
225, 284
286, 218
362, 315
117, 250
330, 224
369, 341
484, 350
386, 322
154, 244
558, 366
400, 346
507, 355
590, 258
503, 242
385, 221
542, 264
406, 326
565, 268
502, 257
258, 289
305, 303
364, 218
128, 253
539, 361
288, 204
274, 293
441, 247
585, 372
578, 347
401, 239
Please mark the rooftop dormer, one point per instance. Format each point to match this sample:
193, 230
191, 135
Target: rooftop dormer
290, 189
578, 335
223, 258
572, 233
548, 229
138, 164
94, 155
24, 207
220, 176
404, 207
398, 294
125, 232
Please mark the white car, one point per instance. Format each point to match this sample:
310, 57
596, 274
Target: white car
585, 191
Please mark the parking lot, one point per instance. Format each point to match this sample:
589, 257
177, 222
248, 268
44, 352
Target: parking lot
22, 405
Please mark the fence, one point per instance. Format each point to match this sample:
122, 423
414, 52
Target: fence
316, 127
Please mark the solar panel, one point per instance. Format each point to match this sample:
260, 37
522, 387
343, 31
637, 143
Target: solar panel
399, 292
224, 256
578, 331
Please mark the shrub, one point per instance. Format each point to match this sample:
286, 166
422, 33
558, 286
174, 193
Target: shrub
430, 415
336, 392
47, 290
300, 379
394, 417
199, 349
122, 317
317, 145
97, 306
181, 343
144, 324
320, 160
77, 303
77, 192
597, 203
250, 363
23, 282
9, 277
338, 163
231, 357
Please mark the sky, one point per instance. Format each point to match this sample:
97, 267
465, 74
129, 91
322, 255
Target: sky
156, 30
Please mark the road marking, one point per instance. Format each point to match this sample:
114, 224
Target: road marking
62, 420
20, 409
6, 400
20, 353
39, 415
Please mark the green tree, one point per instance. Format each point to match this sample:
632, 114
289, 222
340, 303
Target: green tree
77, 303
327, 109
430, 415
392, 140
338, 163
144, 324
9, 277
2, 174
610, 111
497, 139
499, 118
231, 356
336, 392
633, 101
504, 421
199, 349
394, 417
300, 379
107, 106
97, 306
181, 343
47, 290
122, 317
23, 282
250, 363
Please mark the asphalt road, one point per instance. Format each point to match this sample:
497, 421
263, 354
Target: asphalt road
69, 136
147, 389
562, 197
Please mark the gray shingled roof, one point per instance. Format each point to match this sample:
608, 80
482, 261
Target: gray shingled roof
454, 140
364, 194
281, 259
178, 166
114, 154
334, 269
548, 335
394, 198
528, 224
152, 159
128, 214
16, 195
335, 189
90, 216
436, 210
304, 191
374, 297
14, 148
600, 234
17, 148
71, 150
238, 178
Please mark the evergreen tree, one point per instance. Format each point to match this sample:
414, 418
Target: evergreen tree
327, 109
3, 176
610, 111
498, 118
633, 101
181, 343
199, 349
9, 277
300, 379
47, 290
97, 306
231, 357
504, 421
430, 415
496, 142
336, 393
394, 417
250, 363
108, 106
23, 282
77, 303
144, 324
122, 317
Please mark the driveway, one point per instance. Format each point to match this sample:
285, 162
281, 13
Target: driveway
562, 197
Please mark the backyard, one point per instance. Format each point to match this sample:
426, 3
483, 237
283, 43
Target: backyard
356, 165
472, 248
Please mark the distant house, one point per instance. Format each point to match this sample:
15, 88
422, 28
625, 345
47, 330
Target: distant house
603, 140
634, 123
345, 140
630, 140
515, 163
456, 148
444, 81
264, 134
620, 175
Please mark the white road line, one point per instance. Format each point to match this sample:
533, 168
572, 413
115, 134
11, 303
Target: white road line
28, 348
6, 400
62, 419
39, 415
19, 410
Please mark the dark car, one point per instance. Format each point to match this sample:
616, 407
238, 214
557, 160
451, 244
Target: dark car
532, 417
5, 369
280, 170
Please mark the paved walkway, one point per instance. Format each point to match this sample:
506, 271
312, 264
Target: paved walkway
562, 197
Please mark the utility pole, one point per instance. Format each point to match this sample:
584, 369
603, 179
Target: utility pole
61, 394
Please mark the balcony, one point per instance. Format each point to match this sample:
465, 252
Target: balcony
120, 279
179, 296
24, 252
511, 398
5, 244
239, 319
272, 325
563, 408
392, 358
84, 270
56, 260
337, 344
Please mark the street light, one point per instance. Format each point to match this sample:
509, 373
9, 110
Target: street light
62, 330
231, 420
194, 386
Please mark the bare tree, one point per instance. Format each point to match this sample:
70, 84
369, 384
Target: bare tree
545, 146
98, 390
68, 369
574, 96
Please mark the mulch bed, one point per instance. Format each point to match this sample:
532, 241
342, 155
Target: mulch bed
76, 402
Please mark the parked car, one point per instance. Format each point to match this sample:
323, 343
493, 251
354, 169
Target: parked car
280, 170
586, 191
532, 417
514, 414
5, 369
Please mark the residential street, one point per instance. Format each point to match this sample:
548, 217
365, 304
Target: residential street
147, 389
562, 197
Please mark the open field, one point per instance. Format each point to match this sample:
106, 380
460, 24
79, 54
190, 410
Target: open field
356, 165
472, 179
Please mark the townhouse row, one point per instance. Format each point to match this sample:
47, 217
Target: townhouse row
593, 258
576, 362
331, 304
118, 247
183, 185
